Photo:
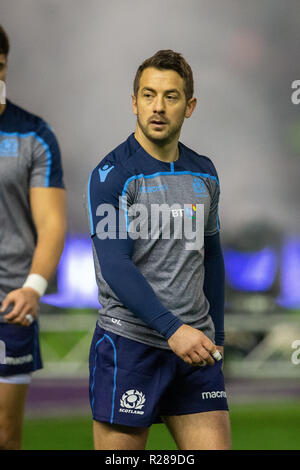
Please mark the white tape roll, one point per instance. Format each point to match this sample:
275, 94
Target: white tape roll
217, 355
29, 318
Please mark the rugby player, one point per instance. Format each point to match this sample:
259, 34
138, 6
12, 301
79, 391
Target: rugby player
156, 354
32, 230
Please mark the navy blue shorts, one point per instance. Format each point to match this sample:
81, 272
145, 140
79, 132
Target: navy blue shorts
21, 347
134, 384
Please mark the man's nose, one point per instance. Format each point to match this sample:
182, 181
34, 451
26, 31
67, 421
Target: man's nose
159, 105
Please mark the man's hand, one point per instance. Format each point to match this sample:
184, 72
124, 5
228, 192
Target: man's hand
26, 301
193, 346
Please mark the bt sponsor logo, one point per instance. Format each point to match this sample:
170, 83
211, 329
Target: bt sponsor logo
189, 210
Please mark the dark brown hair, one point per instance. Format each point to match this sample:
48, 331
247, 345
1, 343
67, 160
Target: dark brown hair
4, 42
168, 60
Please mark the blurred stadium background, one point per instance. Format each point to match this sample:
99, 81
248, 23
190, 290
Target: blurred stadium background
73, 63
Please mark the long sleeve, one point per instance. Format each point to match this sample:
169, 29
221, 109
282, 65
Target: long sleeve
131, 287
214, 284
114, 255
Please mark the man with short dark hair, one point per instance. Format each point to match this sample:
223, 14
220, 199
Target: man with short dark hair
156, 354
32, 229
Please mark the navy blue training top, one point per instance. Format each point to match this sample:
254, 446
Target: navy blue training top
150, 222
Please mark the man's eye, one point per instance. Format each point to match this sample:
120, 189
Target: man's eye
171, 97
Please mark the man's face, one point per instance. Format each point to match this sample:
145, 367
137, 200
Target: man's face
161, 105
3, 67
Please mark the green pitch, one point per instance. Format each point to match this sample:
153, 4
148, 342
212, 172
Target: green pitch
254, 427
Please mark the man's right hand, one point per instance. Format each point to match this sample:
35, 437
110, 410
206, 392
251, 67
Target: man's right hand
192, 346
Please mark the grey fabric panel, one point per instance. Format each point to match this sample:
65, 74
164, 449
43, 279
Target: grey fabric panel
17, 232
175, 273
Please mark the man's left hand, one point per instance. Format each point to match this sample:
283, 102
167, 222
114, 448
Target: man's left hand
25, 301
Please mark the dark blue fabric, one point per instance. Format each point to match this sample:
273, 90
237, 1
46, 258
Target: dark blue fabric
134, 384
17, 120
131, 287
138, 296
128, 164
114, 254
22, 345
214, 284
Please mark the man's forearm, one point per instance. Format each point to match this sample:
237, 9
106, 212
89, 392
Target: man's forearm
50, 244
133, 291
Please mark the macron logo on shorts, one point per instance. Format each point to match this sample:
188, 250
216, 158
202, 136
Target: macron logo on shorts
132, 402
17, 361
215, 394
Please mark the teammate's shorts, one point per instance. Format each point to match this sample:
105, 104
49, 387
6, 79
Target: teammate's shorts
18, 379
134, 384
20, 349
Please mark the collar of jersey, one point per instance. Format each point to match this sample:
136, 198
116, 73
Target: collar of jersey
139, 147
6, 112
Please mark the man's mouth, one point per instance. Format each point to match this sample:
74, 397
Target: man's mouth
157, 122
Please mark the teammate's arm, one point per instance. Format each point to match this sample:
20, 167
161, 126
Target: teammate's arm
48, 208
47, 204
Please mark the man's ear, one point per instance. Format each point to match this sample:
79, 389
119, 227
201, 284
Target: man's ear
191, 105
134, 104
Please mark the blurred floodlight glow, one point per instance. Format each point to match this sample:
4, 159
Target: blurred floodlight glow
251, 271
246, 272
290, 274
76, 282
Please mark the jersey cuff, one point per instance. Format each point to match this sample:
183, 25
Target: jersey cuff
167, 324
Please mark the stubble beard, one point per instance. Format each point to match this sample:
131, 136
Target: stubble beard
158, 140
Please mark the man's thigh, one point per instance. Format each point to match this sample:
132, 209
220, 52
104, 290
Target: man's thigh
116, 437
127, 380
12, 402
201, 431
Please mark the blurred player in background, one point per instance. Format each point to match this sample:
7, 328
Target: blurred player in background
32, 231
157, 349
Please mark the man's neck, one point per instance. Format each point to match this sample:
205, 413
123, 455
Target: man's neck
166, 153
2, 108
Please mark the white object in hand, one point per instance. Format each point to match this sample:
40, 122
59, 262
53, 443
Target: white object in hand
217, 355
29, 318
